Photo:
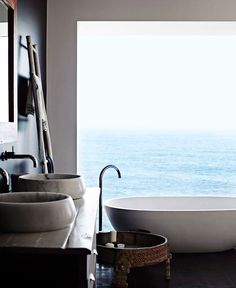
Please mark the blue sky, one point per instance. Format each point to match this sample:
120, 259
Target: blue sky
171, 78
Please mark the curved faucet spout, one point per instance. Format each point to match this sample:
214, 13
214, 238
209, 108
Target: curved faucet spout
104, 169
100, 186
11, 155
6, 180
29, 156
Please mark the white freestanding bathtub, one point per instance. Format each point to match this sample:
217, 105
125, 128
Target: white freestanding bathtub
191, 224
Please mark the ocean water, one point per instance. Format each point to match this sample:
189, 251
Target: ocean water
159, 163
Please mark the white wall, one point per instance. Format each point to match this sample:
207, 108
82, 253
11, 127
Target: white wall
61, 48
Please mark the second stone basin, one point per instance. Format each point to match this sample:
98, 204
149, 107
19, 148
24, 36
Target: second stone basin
28, 212
69, 184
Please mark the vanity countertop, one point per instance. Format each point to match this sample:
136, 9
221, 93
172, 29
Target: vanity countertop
75, 239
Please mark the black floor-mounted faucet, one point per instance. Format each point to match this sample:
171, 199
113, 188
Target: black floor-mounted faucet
100, 186
11, 155
6, 182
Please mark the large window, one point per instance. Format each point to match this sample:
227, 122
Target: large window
158, 100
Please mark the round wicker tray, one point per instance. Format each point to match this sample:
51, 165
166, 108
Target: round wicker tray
141, 249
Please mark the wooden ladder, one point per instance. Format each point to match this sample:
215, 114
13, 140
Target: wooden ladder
35, 86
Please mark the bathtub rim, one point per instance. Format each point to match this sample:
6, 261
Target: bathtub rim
105, 204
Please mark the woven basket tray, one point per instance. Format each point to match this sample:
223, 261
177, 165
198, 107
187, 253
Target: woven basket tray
141, 249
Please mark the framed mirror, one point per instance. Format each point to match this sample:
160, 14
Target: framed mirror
8, 113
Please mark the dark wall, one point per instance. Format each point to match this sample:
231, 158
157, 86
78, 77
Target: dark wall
31, 20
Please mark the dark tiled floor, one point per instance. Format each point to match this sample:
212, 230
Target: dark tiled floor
208, 270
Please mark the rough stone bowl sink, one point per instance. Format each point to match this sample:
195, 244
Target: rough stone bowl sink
35, 212
69, 184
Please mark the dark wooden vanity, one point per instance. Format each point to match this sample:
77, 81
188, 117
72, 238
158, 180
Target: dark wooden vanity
62, 258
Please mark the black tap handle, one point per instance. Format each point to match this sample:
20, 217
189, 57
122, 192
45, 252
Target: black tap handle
7, 155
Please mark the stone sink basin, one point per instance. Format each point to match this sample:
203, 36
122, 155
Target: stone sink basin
35, 212
69, 184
